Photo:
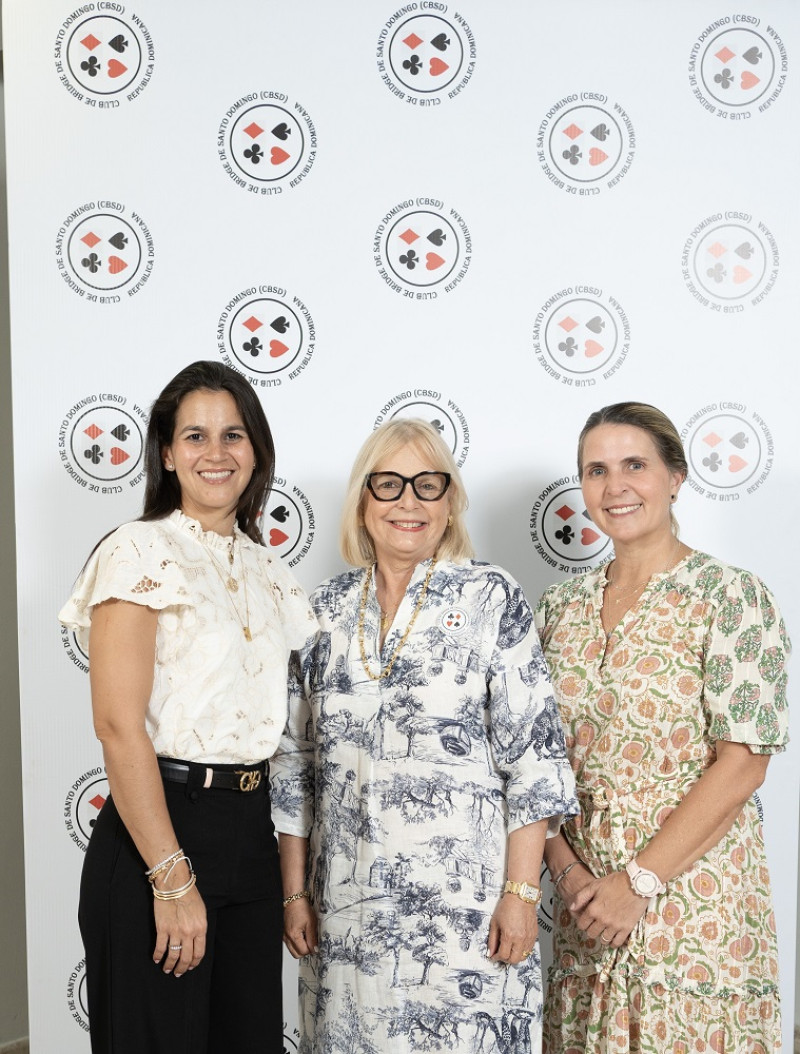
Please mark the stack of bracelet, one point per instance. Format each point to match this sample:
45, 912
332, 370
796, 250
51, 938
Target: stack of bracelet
302, 895
169, 866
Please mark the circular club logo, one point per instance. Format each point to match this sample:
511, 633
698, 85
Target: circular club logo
287, 522
730, 451
580, 335
454, 620
267, 334
82, 805
561, 529
291, 1038
267, 143
73, 650
104, 58
736, 68
104, 251
425, 58
585, 144
443, 415
101, 443
729, 260
77, 1003
422, 248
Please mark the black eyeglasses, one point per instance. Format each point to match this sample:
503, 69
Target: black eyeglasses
389, 486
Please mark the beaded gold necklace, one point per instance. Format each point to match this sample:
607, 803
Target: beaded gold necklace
362, 614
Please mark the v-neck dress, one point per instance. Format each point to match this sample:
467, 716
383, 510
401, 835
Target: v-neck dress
700, 658
408, 788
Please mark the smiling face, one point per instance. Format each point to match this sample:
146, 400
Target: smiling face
407, 530
626, 485
212, 457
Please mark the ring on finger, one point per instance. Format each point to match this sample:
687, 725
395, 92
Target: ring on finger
175, 947
528, 953
605, 940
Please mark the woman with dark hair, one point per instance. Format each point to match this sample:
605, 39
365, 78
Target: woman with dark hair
425, 723
189, 623
669, 670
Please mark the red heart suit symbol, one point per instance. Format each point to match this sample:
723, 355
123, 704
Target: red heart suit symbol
597, 156
588, 536
736, 463
740, 274
434, 260
276, 349
115, 68
593, 348
438, 67
115, 265
278, 155
118, 455
277, 537
749, 80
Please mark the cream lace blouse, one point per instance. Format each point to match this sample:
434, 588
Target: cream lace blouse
216, 696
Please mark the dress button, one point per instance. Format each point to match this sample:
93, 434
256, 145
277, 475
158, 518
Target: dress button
194, 795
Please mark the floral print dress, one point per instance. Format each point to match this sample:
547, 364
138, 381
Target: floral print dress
408, 788
699, 658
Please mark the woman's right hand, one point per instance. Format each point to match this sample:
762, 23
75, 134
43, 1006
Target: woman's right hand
300, 928
569, 887
180, 933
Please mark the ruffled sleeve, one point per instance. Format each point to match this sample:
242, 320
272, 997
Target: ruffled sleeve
135, 563
746, 649
298, 621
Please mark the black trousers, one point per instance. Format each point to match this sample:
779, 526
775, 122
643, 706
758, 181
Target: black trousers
234, 996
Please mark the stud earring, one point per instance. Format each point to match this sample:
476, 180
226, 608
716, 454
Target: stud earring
449, 521
170, 467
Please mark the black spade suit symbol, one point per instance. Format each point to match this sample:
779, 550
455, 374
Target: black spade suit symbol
595, 324
441, 42
600, 132
740, 440
745, 250
119, 241
119, 43
121, 432
753, 55
282, 130
280, 324
437, 237
281, 514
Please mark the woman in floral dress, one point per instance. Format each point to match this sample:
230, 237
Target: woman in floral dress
423, 767
668, 666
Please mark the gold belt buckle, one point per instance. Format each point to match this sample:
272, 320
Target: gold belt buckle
248, 780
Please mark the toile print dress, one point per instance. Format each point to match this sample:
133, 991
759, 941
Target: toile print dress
700, 658
408, 788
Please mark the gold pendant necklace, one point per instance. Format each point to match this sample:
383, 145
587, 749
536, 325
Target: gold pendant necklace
232, 586
362, 614
641, 585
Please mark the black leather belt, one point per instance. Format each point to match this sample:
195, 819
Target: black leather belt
244, 780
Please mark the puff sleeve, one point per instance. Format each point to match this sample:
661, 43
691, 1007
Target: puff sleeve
746, 649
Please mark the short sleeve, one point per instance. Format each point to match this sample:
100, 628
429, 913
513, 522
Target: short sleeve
298, 621
745, 667
130, 564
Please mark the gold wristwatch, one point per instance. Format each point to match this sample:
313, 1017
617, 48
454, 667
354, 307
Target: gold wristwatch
525, 891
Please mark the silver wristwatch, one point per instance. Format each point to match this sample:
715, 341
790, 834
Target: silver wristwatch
645, 883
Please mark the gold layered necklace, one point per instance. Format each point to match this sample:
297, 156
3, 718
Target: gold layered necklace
362, 614
232, 586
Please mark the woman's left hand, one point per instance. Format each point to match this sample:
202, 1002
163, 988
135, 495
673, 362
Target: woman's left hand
513, 930
607, 908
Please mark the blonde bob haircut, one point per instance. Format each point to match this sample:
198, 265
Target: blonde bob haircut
354, 541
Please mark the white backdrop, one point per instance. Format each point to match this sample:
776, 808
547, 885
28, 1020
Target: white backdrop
497, 216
